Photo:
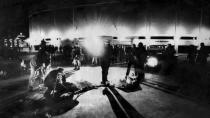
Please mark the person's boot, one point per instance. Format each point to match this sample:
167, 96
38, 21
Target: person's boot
103, 83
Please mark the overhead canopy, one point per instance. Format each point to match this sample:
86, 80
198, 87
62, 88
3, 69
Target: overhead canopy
15, 14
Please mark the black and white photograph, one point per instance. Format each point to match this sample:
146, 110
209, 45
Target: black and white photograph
104, 59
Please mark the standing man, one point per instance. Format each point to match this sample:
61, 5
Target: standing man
138, 59
202, 54
38, 65
191, 54
169, 59
77, 56
105, 62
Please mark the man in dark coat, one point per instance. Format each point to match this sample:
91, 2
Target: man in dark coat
169, 59
38, 65
202, 54
105, 62
138, 59
191, 54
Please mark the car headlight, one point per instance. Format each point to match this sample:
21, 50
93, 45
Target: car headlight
152, 61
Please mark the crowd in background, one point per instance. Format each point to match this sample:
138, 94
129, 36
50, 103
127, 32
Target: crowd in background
197, 56
69, 52
119, 55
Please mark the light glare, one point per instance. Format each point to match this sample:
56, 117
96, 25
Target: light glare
152, 61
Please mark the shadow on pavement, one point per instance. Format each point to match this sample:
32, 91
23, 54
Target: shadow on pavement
38, 108
35, 105
120, 106
115, 106
130, 89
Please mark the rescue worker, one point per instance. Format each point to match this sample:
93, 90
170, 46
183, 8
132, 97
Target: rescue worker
141, 55
56, 84
130, 58
202, 54
105, 62
38, 66
52, 78
137, 59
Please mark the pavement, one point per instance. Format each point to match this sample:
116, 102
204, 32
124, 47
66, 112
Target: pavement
108, 102
12, 88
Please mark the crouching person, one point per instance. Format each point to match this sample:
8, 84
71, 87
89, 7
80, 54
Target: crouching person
56, 85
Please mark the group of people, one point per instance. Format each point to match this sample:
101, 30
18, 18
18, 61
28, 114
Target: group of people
199, 56
72, 52
136, 57
55, 80
41, 62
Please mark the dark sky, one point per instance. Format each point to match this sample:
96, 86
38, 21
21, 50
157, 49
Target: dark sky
160, 13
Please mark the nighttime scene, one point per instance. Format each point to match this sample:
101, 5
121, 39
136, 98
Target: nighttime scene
104, 59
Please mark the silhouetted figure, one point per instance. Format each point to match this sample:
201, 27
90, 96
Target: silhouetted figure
121, 54
61, 49
191, 54
169, 59
137, 59
52, 77
105, 62
56, 84
43, 45
38, 65
67, 50
202, 54
141, 55
115, 54
53, 50
77, 56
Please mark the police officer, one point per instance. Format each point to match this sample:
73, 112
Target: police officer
56, 84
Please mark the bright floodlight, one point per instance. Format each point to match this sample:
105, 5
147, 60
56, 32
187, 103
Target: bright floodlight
93, 43
152, 61
94, 46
